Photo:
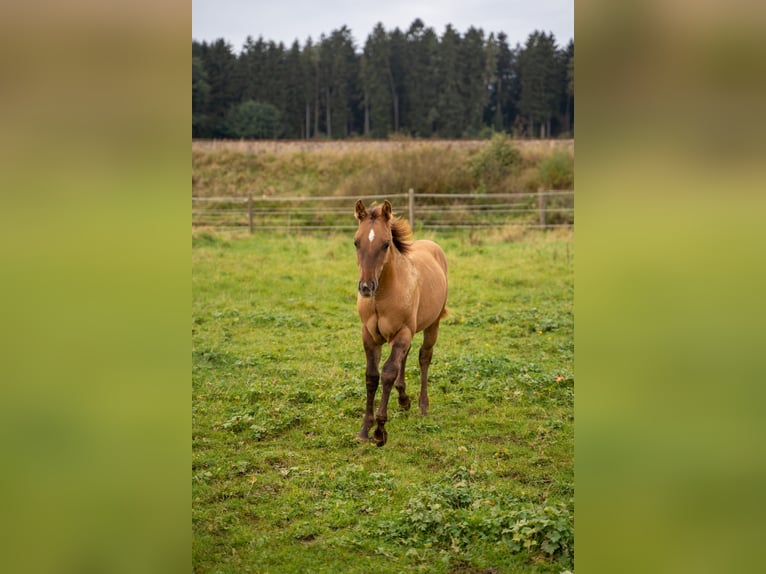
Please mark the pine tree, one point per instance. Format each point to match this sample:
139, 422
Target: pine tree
200, 97
365, 94
220, 66
451, 120
377, 81
396, 75
569, 90
252, 69
420, 79
310, 66
294, 106
508, 81
274, 76
338, 73
344, 80
540, 85
473, 80
493, 114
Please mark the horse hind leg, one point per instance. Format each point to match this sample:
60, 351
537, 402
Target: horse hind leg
404, 400
426, 352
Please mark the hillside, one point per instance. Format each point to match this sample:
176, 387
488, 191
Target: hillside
234, 168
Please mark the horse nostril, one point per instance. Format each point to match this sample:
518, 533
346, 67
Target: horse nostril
367, 289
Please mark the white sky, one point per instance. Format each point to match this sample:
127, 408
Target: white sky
288, 20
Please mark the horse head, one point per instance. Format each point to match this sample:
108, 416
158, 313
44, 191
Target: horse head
373, 244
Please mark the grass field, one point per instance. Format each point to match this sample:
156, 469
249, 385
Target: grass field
484, 483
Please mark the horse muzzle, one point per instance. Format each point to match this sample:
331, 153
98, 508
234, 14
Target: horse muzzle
368, 288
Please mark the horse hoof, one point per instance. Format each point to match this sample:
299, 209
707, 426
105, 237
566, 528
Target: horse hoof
404, 403
380, 437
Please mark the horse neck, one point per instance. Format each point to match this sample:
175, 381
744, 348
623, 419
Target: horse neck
396, 265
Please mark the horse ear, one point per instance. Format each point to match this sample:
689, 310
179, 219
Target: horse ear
360, 212
386, 210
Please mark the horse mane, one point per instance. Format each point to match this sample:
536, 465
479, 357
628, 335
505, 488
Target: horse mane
401, 233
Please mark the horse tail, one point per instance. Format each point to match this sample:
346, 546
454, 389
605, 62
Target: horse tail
444, 313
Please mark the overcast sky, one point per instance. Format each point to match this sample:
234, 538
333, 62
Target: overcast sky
288, 20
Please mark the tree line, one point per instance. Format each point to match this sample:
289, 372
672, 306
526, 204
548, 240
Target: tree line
411, 82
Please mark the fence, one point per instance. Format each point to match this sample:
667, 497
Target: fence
542, 210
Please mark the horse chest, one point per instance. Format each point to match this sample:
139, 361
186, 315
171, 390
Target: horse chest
383, 326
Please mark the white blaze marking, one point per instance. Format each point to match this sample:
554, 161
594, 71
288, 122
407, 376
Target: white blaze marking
371, 236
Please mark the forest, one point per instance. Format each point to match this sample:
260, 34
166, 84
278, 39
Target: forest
411, 83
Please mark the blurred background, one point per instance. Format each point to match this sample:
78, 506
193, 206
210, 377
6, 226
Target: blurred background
670, 181
95, 287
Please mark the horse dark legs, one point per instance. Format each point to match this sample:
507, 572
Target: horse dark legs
400, 346
372, 377
426, 352
404, 400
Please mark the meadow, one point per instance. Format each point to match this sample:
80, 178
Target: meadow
483, 483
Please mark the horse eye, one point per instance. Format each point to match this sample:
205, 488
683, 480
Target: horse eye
386, 244
356, 243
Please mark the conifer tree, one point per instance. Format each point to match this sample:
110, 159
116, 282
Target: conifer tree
540, 82
377, 82
200, 97
414, 82
450, 105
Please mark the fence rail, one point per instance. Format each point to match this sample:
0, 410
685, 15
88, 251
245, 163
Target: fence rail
541, 210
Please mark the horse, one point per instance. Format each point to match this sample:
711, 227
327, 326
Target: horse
402, 290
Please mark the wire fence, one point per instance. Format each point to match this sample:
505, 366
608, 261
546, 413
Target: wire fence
542, 209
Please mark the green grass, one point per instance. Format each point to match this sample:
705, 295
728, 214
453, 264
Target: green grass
484, 483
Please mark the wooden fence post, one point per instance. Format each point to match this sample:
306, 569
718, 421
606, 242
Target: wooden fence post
250, 211
541, 205
412, 208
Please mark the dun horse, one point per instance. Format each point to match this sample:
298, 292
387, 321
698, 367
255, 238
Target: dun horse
402, 291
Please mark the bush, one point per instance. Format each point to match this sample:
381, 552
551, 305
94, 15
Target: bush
496, 162
557, 171
252, 119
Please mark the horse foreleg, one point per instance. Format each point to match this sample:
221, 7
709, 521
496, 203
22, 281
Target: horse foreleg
372, 377
426, 352
404, 400
400, 345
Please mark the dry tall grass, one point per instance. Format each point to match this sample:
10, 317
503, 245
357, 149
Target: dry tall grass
360, 167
